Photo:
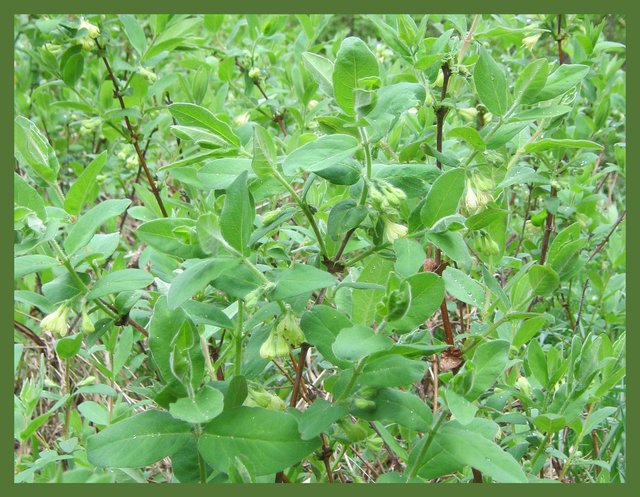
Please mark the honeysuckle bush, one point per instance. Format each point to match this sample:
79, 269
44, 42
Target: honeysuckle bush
317, 248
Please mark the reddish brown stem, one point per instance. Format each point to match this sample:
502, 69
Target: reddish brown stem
448, 333
300, 368
132, 132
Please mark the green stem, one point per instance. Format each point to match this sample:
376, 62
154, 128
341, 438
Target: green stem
425, 448
67, 264
305, 209
238, 337
540, 451
574, 447
364, 139
354, 376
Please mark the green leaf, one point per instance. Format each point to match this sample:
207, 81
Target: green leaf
392, 371
354, 62
264, 152
86, 226
553, 143
522, 175
206, 313
68, 347
469, 135
25, 195
528, 330
321, 325
236, 392
543, 280
453, 245
463, 287
393, 100
484, 218
550, 422
134, 32
455, 447
205, 406
326, 151
531, 81
321, 69
32, 150
565, 77
504, 134
442, 200
138, 441
358, 342
403, 408
319, 417
542, 113
72, 65
299, 279
345, 215
489, 361
120, 281
461, 409
268, 439
77, 195
28, 264
220, 173
409, 256
538, 363
191, 115
491, 83
238, 212
427, 292
161, 235
196, 277
163, 327
365, 301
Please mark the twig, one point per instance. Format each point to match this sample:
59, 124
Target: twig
606, 239
442, 110
548, 228
30, 334
132, 132
524, 222
584, 291
448, 333
298, 382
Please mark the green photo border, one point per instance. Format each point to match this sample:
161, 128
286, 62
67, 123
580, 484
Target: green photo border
618, 7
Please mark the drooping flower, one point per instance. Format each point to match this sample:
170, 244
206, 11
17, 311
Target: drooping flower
87, 324
530, 41
274, 346
289, 328
470, 199
393, 231
56, 322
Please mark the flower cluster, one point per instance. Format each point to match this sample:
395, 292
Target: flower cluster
287, 333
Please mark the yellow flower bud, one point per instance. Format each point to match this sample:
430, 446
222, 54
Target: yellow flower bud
92, 30
468, 113
150, 76
254, 72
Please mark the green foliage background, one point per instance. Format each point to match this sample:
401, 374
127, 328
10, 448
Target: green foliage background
435, 202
